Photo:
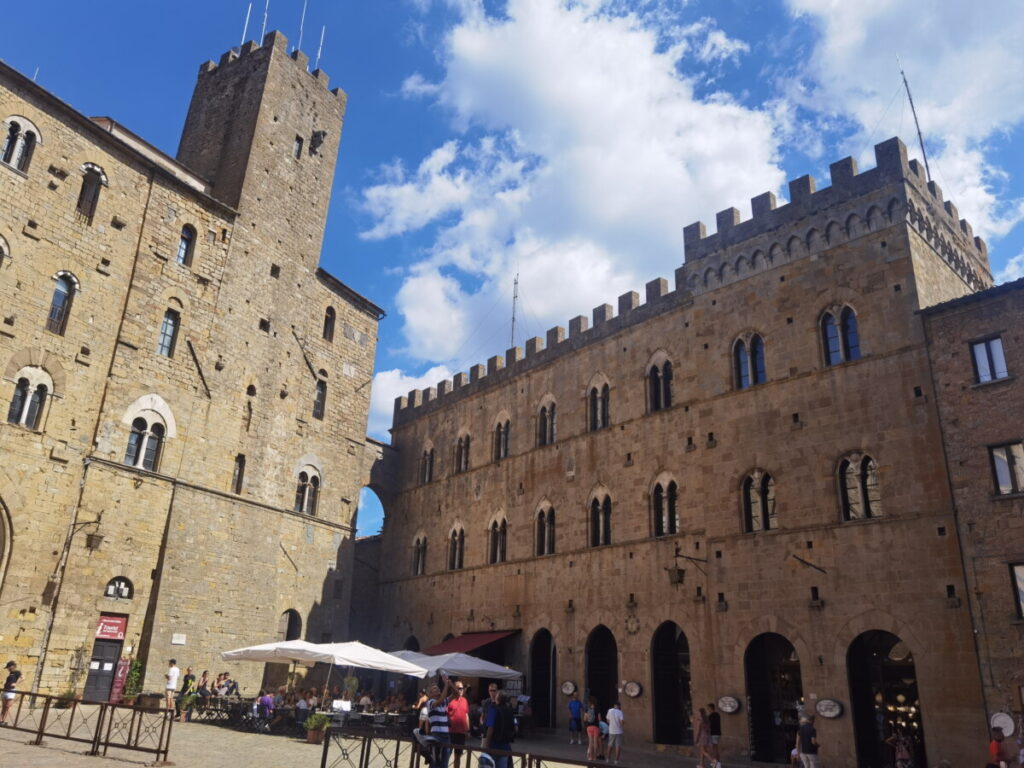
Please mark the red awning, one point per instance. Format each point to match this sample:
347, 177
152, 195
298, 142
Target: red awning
467, 642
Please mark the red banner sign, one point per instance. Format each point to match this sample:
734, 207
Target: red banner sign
111, 627
120, 676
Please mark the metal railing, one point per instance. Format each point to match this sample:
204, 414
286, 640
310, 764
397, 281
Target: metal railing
346, 747
98, 724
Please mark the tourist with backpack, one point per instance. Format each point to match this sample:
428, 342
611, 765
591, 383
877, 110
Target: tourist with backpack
592, 721
501, 730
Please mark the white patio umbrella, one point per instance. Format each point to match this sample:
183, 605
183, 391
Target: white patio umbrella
459, 665
286, 651
356, 654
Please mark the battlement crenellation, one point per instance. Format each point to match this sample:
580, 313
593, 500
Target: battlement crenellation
711, 260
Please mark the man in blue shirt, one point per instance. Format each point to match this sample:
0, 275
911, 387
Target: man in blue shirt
500, 724
575, 719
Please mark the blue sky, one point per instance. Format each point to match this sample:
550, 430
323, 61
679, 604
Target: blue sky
568, 142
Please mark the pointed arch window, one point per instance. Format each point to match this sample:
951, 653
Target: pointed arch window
89, 195
741, 361
859, 488
501, 438
28, 403
60, 304
659, 386
599, 398
427, 468
664, 507
757, 364
145, 444
186, 245
546, 425
601, 522
498, 542
456, 549
329, 317
758, 497
462, 454
545, 533
419, 557
840, 336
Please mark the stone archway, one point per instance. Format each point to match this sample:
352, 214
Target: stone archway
774, 693
543, 676
672, 706
602, 660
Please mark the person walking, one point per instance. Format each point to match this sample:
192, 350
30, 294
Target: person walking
575, 719
592, 720
458, 719
615, 718
171, 686
10, 688
702, 737
714, 733
501, 729
807, 743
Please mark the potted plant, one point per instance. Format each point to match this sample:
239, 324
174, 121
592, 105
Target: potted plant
316, 725
132, 683
187, 703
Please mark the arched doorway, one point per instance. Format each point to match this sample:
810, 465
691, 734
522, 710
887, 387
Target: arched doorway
542, 678
883, 697
670, 678
411, 644
774, 694
289, 626
602, 667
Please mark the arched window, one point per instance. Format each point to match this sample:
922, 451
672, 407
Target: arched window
741, 362
456, 549
659, 386
758, 497
851, 338
599, 407
5, 251
32, 387
320, 400
119, 587
859, 489
545, 533
238, 474
758, 373
307, 492
462, 454
145, 444
419, 557
168, 333
840, 336
427, 469
20, 139
186, 245
546, 425
329, 317
501, 434
15, 414
88, 197
498, 541
601, 522
60, 304
664, 507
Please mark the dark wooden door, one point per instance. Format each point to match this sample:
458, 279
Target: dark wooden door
102, 667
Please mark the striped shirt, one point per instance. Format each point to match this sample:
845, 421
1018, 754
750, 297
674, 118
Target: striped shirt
438, 717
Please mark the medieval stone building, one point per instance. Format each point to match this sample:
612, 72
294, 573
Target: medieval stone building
186, 391
734, 490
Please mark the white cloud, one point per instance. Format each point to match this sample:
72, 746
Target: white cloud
1014, 270
585, 152
964, 66
387, 385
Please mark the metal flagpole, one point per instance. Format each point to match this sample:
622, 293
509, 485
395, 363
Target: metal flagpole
245, 29
266, 11
920, 139
302, 23
320, 50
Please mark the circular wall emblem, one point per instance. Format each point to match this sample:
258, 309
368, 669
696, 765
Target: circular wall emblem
828, 708
632, 625
632, 689
730, 705
568, 687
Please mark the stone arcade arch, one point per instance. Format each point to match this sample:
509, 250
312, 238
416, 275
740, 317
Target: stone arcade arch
602, 663
672, 705
543, 678
774, 691
411, 644
883, 696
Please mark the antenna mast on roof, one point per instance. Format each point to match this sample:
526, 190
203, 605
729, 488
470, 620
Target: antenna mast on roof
245, 29
302, 23
515, 299
920, 139
266, 11
323, 31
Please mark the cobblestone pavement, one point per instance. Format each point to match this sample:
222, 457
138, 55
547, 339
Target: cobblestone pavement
195, 744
